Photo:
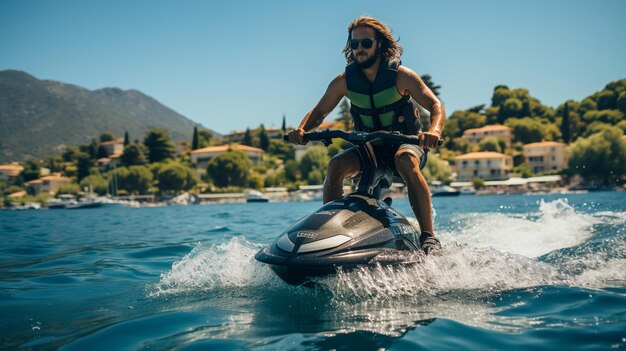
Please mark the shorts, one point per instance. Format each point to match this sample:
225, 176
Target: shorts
385, 154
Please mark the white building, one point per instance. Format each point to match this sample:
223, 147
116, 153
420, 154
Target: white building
10, 171
545, 156
484, 165
49, 184
475, 135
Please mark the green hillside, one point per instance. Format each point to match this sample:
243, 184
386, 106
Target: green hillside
41, 117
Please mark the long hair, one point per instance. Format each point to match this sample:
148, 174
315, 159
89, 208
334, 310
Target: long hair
389, 49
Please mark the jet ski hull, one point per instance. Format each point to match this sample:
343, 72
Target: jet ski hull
348, 233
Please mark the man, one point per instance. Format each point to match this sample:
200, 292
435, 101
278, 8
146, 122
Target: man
382, 93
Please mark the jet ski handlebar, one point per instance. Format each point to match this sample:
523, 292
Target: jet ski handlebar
326, 137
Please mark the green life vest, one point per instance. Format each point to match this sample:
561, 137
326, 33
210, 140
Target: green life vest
378, 105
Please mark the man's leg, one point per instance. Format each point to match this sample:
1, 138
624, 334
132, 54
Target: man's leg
408, 165
340, 167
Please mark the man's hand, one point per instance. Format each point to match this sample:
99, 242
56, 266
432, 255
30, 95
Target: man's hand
430, 139
296, 136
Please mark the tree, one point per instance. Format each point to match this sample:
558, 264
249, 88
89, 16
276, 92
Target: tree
84, 163
160, 146
138, 179
126, 138
436, 169
565, 128
621, 102
490, 143
315, 177
247, 138
607, 100
68, 188
70, 154
461, 121
601, 157
205, 138
134, 154
230, 169
102, 152
291, 170
54, 163
527, 129
176, 177
264, 140
31, 171
195, 143
106, 136
95, 182
92, 149
282, 149
477, 108
314, 159
284, 126
429, 82
606, 116
595, 127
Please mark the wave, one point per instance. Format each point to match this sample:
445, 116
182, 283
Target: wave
555, 226
486, 253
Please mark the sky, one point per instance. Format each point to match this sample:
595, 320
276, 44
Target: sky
229, 65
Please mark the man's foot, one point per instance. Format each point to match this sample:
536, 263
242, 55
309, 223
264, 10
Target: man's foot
429, 242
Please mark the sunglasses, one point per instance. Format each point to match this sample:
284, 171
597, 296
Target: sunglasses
365, 43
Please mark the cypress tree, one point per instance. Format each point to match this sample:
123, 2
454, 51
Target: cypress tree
247, 138
284, 128
264, 140
126, 138
195, 144
565, 128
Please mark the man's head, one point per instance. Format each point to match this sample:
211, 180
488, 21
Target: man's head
369, 38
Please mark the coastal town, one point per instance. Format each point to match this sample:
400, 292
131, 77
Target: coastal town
516, 145
276, 171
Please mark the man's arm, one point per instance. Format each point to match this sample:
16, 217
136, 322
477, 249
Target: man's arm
409, 82
335, 91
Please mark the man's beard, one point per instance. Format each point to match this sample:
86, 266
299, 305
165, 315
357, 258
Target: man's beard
369, 62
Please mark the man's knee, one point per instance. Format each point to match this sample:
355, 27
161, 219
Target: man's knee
406, 162
342, 166
334, 168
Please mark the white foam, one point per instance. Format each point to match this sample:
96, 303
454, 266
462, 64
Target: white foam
488, 253
456, 268
557, 226
227, 265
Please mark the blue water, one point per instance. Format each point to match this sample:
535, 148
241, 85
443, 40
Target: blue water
516, 273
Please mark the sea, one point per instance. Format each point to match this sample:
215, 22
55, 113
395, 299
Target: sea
516, 272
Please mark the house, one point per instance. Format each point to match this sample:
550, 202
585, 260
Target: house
10, 171
237, 136
486, 165
49, 184
108, 163
202, 156
113, 147
475, 135
545, 156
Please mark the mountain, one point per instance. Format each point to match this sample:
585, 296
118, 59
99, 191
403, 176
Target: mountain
41, 117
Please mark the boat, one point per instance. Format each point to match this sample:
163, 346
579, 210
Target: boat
256, 196
83, 204
439, 189
359, 229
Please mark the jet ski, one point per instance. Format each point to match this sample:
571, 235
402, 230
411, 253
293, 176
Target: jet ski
358, 229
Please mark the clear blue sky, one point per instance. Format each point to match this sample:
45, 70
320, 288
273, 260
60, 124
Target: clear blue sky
233, 64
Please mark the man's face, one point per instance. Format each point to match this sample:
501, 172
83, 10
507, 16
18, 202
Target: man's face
362, 54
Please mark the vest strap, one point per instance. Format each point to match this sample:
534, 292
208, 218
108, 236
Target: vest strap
378, 111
